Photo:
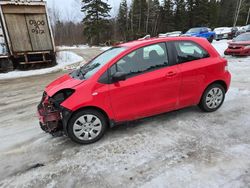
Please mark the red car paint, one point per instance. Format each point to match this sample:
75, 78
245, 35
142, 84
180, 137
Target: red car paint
165, 89
240, 47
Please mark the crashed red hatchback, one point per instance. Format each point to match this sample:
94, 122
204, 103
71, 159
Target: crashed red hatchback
240, 46
132, 81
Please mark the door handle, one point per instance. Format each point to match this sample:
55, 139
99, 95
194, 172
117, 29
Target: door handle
171, 73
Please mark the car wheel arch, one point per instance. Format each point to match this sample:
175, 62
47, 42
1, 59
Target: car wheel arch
220, 82
90, 108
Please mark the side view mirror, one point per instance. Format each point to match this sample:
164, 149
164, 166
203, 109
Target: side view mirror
119, 76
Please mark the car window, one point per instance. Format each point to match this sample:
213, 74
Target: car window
194, 30
189, 51
242, 37
203, 30
142, 60
97, 63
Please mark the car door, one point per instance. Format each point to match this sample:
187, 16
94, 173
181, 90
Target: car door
193, 68
151, 87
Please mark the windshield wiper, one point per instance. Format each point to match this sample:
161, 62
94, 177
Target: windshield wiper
85, 69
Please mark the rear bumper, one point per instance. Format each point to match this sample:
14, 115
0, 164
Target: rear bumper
237, 52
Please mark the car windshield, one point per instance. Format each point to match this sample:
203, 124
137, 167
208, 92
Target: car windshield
194, 30
97, 63
242, 37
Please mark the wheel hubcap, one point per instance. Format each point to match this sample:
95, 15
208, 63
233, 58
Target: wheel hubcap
214, 98
87, 127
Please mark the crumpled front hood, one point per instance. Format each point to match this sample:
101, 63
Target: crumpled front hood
64, 82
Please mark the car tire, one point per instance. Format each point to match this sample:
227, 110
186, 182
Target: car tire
87, 126
212, 98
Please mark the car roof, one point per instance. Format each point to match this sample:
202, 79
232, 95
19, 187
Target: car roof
145, 42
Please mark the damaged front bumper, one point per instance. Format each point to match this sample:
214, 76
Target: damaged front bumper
53, 118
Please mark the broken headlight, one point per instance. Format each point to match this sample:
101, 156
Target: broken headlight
61, 96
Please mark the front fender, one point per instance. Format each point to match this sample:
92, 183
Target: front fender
86, 95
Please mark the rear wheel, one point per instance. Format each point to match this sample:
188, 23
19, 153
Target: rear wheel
212, 98
6, 65
87, 126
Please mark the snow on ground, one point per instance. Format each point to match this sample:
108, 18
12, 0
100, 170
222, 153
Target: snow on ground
64, 59
184, 148
220, 46
240, 66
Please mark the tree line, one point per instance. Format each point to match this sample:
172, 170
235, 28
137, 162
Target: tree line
152, 17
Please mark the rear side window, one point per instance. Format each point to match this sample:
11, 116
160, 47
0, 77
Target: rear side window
189, 51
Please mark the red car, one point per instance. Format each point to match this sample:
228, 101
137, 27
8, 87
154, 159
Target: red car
132, 81
240, 46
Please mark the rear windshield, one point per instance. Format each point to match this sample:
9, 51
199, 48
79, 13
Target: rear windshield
242, 37
97, 63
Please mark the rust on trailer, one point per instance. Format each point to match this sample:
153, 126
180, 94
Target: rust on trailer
23, 9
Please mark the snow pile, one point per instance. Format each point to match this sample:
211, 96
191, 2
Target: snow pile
79, 47
64, 59
105, 48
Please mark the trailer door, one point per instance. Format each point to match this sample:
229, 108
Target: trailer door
19, 35
28, 28
39, 32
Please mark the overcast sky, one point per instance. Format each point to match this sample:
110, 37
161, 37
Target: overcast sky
70, 9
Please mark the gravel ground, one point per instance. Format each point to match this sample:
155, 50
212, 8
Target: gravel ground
185, 148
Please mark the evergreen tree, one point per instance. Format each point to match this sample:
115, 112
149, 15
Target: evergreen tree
190, 12
213, 13
138, 16
95, 20
152, 17
166, 17
244, 13
226, 12
122, 19
201, 10
180, 17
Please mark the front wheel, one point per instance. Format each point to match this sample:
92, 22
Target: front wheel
87, 126
212, 98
